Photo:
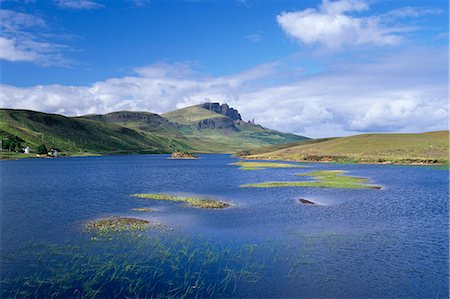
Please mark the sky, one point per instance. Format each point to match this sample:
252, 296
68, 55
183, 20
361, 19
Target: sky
316, 68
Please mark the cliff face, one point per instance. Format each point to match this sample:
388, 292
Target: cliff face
223, 109
222, 123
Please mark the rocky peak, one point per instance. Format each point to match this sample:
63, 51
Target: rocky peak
223, 109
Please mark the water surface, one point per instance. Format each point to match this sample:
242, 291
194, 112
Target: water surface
358, 243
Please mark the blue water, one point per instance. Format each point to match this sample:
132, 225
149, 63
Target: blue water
366, 243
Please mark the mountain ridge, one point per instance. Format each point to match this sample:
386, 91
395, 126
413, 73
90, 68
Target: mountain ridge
139, 131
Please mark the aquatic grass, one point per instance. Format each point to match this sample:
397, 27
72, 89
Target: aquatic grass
244, 165
323, 179
117, 224
144, 210
192, 201
157, 266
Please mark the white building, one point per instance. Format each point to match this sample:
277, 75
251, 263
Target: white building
26, 150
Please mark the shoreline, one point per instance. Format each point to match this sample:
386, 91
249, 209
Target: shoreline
22, 156
345, 162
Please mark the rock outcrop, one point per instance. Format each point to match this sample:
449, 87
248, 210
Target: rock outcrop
223, 109
222, 123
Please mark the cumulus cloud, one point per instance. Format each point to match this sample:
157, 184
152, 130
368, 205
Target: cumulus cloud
387, 94
78, 4
335, 25
22, 39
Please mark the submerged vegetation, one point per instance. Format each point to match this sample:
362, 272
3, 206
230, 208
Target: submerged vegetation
323, 179
156, 266
145, 210
263, 165
192, 201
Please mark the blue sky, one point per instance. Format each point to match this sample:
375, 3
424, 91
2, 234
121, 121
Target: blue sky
318, 68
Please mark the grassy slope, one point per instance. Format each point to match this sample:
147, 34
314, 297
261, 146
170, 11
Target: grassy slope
190, 115
429, 147
79, 136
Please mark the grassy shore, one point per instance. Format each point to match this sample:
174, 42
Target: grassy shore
323, 179
192, 201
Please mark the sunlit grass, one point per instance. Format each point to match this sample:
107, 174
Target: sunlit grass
117, 224
323, 179
192, 201
263, 165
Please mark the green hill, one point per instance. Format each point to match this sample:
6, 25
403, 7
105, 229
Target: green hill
136, 132
427, 148
81, 136
215, 127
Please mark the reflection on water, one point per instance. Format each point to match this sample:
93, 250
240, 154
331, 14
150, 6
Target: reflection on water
357, 243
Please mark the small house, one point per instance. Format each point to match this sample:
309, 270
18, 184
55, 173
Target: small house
26, 150
54, 152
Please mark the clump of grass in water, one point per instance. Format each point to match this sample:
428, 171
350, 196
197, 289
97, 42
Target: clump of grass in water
262, 165
144, 210
193, 201
324, 179
117, 224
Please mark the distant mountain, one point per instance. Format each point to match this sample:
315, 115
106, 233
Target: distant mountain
426, 148
207, 128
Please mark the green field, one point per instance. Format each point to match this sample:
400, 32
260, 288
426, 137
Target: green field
424, 148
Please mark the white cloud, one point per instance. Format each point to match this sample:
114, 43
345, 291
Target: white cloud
78, 4
400, 113
22, 39
10, 51
333, 26
410, 11
387, 94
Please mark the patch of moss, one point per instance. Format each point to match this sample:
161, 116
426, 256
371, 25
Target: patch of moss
324, 179
144, 210
192, 201
263, 165
117, 224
